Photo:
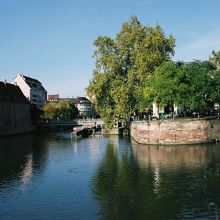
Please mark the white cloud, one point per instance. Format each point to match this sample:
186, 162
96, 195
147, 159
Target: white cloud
210, 40
200, 48
147, 2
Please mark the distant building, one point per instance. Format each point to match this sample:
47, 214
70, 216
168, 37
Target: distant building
56, 98
15, 110
53, 98
84, 106
32, 89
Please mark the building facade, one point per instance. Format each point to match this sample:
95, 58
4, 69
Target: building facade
32, 90
53, 98
15, 110
85, 107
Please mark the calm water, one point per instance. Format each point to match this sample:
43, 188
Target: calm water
106, 177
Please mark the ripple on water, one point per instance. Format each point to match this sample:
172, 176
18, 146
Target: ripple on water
106, 177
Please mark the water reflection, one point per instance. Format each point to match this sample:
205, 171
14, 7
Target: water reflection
190, 156
20, 156
47, 177
93, 147
16, 154
41, 178
158, 182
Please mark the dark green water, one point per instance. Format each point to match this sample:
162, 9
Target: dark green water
106, 177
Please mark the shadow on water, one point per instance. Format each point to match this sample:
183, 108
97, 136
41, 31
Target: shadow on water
20, 156
158, 182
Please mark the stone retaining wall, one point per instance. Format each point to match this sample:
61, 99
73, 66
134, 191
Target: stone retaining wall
176, 131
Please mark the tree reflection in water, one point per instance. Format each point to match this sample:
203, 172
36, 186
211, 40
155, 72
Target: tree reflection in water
158, 182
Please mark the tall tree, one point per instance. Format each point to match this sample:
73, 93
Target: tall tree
50, 111
123, 65
191, 86
215, 58
64, 110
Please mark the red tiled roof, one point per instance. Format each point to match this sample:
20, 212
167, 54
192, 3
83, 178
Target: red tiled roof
53, 97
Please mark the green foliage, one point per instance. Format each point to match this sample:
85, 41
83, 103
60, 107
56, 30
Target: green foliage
200, 82
214, 87
123, 65
162, 85
191, 86
50, 111
215, 58
63, 110
36, 114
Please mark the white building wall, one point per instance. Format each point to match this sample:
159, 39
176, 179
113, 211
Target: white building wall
85, 109
36, 95
23, 86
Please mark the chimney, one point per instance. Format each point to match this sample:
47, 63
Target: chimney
15, 83
5, 81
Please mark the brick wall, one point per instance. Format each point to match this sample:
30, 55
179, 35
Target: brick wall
178, 131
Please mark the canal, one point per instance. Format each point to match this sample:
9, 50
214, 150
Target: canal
106, 177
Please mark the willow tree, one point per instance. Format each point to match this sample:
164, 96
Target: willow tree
122, 67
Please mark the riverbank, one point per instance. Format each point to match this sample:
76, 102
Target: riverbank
17, 131
176, 131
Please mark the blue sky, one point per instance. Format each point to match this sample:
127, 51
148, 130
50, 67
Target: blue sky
51, 40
